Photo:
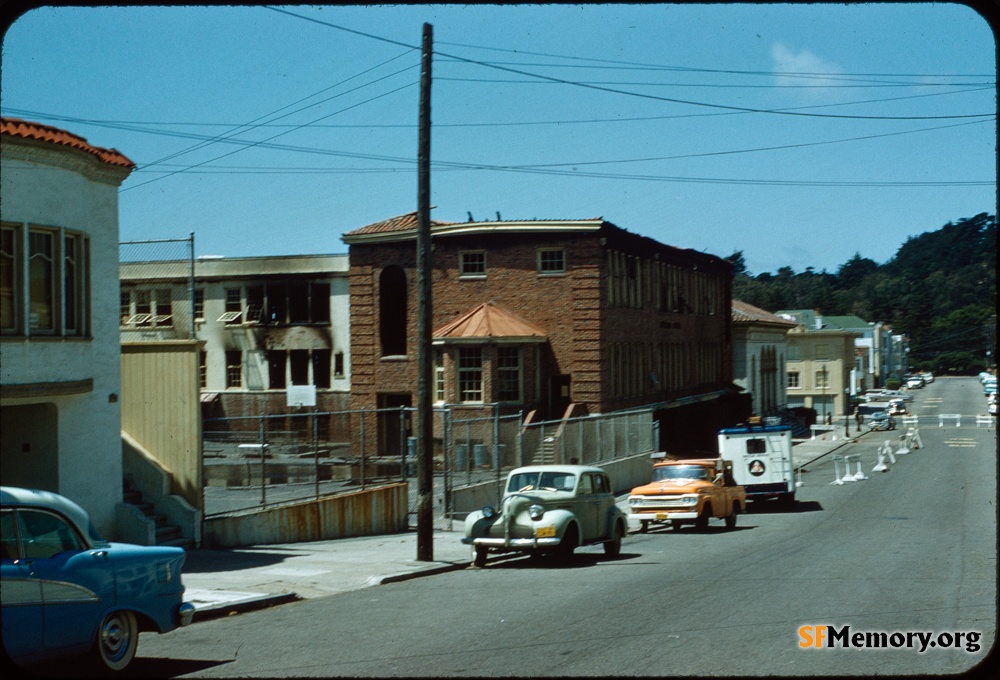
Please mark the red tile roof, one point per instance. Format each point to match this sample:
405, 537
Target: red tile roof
746, 313
407, 222
489, 321
15, 127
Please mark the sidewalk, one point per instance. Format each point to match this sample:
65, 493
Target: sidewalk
222, 582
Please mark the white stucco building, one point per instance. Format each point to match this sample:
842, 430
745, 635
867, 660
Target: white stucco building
265, 324
60, 357
759, 354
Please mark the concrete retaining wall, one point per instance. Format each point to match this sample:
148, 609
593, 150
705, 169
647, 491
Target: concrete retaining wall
380, 510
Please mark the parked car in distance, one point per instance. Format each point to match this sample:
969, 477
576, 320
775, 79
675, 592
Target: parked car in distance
64, 590
914, 383
928, 377
897, 408
689, 492
882, 420
549, 509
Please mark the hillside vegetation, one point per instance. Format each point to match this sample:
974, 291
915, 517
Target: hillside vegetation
939, 289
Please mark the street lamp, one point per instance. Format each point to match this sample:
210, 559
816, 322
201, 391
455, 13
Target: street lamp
823, 379
847, 412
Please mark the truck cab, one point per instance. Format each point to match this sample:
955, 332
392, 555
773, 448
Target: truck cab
688, 492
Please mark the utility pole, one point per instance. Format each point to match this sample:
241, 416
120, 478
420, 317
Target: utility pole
425, 366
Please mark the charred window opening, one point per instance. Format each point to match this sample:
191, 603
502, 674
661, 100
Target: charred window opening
276, 369
298, 302
299, 364
320, 302
392, 311
321, 368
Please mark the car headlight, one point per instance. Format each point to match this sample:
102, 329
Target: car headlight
489, 511
634, 500
690, 500
535, 512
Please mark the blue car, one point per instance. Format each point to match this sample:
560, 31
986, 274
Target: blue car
64, 590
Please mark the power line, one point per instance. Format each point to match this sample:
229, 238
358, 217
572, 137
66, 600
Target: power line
785, 112
692, 69
264, 141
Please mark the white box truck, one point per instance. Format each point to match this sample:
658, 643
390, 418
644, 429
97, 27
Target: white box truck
762, 460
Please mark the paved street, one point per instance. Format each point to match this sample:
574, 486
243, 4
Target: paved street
909, 550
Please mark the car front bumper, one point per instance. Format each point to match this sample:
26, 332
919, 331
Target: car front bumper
185, 614
513, 543
662, 515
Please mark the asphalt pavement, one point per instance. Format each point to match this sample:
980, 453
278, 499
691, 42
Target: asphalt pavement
224, 582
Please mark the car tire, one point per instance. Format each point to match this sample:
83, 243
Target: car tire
731, 517
676, 524
568, 543
614, 546
701, 524
117, 640
479, 559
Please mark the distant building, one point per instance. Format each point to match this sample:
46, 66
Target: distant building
547, 317
265, 323
759, 352
819, 367
60, 360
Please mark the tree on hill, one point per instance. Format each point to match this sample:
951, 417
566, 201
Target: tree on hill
939, 289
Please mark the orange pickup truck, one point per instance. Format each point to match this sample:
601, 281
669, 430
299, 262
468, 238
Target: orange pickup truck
689, 492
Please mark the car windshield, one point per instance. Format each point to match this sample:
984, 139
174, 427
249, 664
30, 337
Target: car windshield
679, 472
548, 480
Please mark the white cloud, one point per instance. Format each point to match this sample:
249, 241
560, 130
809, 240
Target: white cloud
803, 73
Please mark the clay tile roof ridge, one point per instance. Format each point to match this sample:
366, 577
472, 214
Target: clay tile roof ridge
16, 127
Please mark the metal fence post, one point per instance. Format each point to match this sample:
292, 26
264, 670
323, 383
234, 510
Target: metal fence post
403, 442
362, 433
520, 438
316, 449
263, 463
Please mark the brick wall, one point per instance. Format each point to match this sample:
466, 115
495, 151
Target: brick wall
571, 309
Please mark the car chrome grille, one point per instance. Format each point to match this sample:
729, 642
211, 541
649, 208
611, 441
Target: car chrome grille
660, 502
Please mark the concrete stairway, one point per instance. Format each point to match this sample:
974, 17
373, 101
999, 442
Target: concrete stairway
166, 534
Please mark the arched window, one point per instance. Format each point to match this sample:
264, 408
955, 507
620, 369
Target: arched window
392, 311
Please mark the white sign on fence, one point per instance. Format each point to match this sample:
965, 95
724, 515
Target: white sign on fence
301, 395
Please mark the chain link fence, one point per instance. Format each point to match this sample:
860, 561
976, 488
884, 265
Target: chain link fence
253, 462
157, 288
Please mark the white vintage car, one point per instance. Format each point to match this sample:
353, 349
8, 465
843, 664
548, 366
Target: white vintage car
549, 509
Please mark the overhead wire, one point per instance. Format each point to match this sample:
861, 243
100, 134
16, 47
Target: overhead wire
674, 100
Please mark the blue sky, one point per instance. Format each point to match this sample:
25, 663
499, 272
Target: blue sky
798, 134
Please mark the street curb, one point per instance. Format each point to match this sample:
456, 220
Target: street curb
429, 571
262, 602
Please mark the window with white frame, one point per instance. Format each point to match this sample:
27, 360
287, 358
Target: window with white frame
234, 307
472, 264
44, 281
142, 308
793, 379
470, 374
438, 376
509, 374
199, 304
234, 368
10, 280
823, 378
551, 261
